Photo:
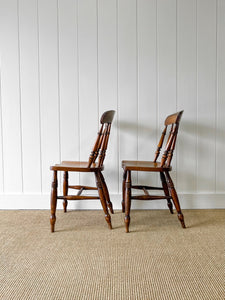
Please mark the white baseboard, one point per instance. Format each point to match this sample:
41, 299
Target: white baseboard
42, 201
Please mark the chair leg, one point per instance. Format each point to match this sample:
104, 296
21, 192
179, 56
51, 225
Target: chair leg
65, 190
53, 201
175, 199
127, 200
106, 193
166, 191
102, 199
123, 191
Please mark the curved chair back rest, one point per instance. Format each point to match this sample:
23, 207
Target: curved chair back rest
100, 146
171, 121
107, 117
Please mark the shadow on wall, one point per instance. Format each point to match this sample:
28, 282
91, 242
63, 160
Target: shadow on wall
192, 129
131, 128
199, 148
206, 130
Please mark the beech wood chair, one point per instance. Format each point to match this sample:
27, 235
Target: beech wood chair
99, 151
163, 168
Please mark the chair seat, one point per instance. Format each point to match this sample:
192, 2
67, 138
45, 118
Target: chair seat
76, 166
136, 165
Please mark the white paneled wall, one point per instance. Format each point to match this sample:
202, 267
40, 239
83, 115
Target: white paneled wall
64, 62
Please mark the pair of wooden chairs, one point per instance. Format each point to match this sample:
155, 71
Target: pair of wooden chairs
95, 165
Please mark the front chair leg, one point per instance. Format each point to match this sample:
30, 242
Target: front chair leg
123, 191
166, 191
175, 199
65, 190
127, 200
53, 201
106, 193
102, 199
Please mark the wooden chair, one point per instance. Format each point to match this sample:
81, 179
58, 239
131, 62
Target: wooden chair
91, 165
163, 168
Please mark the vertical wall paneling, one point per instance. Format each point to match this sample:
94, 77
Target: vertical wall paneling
68, 83
186, 95
107, 78
147, 84
88, 87
220, 117
166, 37
29, 80
167, 64
10, 93
127, 80
206, 93
1, 141
49, 95
64, 62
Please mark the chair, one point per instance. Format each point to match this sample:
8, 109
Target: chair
99, 151
163, 168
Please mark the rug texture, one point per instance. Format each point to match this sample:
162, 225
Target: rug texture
83, 259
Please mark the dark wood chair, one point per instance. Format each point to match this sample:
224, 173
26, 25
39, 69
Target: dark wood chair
163, 168
94, 165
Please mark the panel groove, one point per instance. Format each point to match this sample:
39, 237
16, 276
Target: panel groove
1, 137
39, 96
197, 104
20, 108
157, 75
138, 82
176, 156
97, 57
220, 64
78, 83
117, 93
216, 96
157, 70
59, 98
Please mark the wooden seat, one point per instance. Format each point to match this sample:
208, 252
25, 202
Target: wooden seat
148, 166
77, 166
94, 165
163, 167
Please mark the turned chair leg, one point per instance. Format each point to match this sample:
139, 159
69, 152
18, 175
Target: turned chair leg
127, 200
65, 190
106, 193
123, 191
102, 199
175, 199
166, 191
53, 201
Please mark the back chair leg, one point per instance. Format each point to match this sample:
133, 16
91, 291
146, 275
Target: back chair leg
106, 193
123, 191
175, 199
166, 191
102, 199
127, 200
53, 201
65, 189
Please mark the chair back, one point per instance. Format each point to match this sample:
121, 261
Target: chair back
171, 121
100, 146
